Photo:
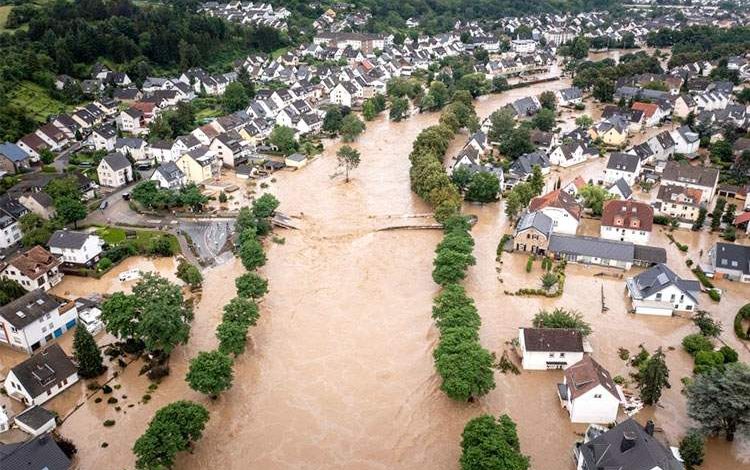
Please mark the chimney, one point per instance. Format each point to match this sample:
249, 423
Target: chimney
628, 441
649, 428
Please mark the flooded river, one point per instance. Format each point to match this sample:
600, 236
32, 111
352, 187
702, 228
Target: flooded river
339, 372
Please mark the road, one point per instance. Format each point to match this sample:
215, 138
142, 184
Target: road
62, 160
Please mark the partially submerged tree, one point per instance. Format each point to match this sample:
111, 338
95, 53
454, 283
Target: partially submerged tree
561, 318
488, 443
251, 285
87, 354
173, 429
348, 158
210, 373
653, 377
719, 400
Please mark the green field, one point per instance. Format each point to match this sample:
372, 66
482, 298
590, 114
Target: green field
114, 236
4, 12
35, 101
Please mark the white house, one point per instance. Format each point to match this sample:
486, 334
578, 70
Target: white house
627, 221
569, 96
169, 176
10, 231
36, 268
345, 93
589, 393
41, 377
550, 348
561, 207
132, 120
34, 320
622, 165
659, 291
686, 141
115, 170
568, 155
76, 248
693, 177
35, 420
103, 138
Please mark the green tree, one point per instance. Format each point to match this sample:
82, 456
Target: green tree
369, 111
332, 120
348, 158
232, 337
235, 98
501, 123
544, 120
561, 318
265, 206
87, 354
189, 273
499, 84
594, 198
154, 313
210, 373
251, 286
719, 400
584, 121
160, 246
692, 449
462, 176
282, 137
10, 290
70, 210
488, 443
721, 151
46, 156
450, 266
252, 255
484, 187
173, 429
536, 182
351, 127
696, 343
604, 90
652, 377
242, 311
548, 100
516, 143
467, 371
399, 108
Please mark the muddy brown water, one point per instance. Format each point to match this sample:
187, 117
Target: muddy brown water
339, 372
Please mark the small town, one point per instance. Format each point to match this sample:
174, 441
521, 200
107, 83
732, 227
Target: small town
330, 235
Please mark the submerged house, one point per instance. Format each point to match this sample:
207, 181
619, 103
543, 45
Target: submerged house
550, 348
659, 291
589, 393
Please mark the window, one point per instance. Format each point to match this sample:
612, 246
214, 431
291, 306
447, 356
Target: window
562, 354
658, 296
597, 395
551, 354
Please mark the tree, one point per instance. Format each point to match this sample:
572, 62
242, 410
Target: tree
467, 372
251, 286
516, 143
692, 449
584, 121
160, 246
484, 187
265, 206
332, 120
719, 400
399, 108
154, 313
282, 137
351, 127
210, 373
369, 111
708, 326
10, 290
536, 182
701, 219
348, 158
70, 210
549, 280
252, 255
189, 273
235, 98
604, 90
561, 318
450, 266
46, 156
439, 94
501, 123
232, 337
721, 151
173, 429
544, 120
652, 377
499, 84
242, 311
488, 443
548, 100
461, 176
594, 198
87, 354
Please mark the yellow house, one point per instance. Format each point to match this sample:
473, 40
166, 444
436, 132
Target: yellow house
247, 136
198, 165
612, 132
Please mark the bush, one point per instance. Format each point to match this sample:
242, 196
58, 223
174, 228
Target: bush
703, 278
108, 423
104, 264
742, 314
708, 326
715, 295
730, 355
529, 264
160, 246
696, 343
707, 360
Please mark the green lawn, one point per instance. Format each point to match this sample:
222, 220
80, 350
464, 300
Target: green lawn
115, 235
279, 52
35, 101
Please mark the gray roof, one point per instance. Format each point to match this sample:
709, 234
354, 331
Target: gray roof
297, 157
732, 256
170, 171
623, 187
44, 370
29, 308
34, 417
571, 93
627, 446
39, 453
67, 239
591, 246
623, 162
650, 254
538, 220
552, 339
116, 161
658, 278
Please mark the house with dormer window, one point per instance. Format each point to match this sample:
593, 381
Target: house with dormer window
627, 221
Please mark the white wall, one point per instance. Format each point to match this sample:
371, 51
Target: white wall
610, 232
597, 405
13, 386
563, 221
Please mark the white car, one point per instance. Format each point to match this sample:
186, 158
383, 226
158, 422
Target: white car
91, 320
130, 275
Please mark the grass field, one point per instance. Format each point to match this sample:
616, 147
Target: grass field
4, 12
114, 236
35, 101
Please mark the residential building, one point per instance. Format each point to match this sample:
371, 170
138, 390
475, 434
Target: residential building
626, 446
697, 177
730, 261
627, 221
36, 268
679, 202
41, 452
199, 165
532, 233
659, 291
35, 420
686, 141
620, 190
13, 158
76, 248
589, 393
569, 96
40, 203
115, 171
42, 376
169, 176
10, 230
549, 348
592, 250
295, 160
561, 207
622, 166
34, 320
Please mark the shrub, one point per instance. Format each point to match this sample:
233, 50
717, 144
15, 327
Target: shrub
560, 318
706, 360
696, 343
742, 314
108, 423
708, 326
104, 264
691, 449
703, 278
111, 400
715, 295
730, 355
529, 264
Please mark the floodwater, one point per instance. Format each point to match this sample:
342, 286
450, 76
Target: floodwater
339, 371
